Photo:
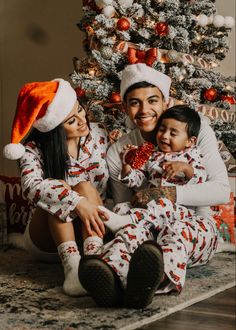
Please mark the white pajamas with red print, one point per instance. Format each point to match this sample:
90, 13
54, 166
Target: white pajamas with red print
186, 238
151, 171
184, 243
50, 194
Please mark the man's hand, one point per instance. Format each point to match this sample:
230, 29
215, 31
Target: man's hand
141, 198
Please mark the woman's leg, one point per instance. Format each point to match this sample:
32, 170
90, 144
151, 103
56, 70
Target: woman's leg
47, 236
91, 244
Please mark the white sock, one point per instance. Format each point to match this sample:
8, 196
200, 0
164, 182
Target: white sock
92, 245
116, 221
70, 258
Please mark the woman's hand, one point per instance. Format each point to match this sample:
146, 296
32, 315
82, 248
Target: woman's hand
91, 216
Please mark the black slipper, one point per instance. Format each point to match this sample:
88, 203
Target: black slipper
145, 274
101, 282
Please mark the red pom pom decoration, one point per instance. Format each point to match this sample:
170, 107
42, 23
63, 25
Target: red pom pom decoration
162, 28
138, 156
123, 24
210, 94
115, 97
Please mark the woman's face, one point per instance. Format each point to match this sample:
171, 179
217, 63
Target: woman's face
75, 124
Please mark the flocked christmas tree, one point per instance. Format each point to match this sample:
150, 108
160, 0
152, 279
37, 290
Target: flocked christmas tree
185, 39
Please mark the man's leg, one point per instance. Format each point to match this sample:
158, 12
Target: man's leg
112, 266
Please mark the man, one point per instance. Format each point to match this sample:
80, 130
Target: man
144, 105
136, 261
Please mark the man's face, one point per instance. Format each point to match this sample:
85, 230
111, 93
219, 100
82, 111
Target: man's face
144, 106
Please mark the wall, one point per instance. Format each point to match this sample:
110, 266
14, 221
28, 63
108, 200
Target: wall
38, 41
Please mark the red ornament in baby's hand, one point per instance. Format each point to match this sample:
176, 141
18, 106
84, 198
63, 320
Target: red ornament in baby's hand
136, 157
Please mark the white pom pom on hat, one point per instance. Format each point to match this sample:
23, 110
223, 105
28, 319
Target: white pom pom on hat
14, 151
43, 105
135, 73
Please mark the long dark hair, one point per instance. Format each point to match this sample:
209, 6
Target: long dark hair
54, 151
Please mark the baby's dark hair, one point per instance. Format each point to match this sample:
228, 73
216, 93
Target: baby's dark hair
184, 114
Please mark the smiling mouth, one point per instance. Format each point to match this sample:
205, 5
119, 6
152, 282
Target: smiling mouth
83, 127
145, 118
164, 144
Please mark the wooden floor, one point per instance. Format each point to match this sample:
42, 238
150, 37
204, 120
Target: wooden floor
215, 313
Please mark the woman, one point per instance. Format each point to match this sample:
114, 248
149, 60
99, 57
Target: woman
64, 173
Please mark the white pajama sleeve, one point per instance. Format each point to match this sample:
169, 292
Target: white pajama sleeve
200, 174
48, 194
134, 179
120, 192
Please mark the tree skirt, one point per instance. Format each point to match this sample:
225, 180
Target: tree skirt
31, 296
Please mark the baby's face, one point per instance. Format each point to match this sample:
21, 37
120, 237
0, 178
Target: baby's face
172, 136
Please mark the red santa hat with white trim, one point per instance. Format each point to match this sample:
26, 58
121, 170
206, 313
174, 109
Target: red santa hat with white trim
43, 105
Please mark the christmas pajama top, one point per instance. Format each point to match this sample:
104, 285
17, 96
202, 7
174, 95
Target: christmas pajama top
214, 191
151, 171
50, 194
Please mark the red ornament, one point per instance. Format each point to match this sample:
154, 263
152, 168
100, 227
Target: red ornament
162, 28
80, 92
138, 156
115, 97
210, 94
229, 99
123, 24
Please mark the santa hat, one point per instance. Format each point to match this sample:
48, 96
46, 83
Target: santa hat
135, 73
43, 105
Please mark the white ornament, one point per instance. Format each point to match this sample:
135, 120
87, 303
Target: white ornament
106, 52
125, 3
210, 19
218, 21
229, 22
202, 20
108, 11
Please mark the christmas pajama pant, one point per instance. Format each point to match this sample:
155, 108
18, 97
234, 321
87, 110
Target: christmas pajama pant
186, 240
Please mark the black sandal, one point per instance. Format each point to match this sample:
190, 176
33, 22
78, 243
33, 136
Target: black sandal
146, 271
101, 282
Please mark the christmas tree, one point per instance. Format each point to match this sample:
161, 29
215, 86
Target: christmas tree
184, 39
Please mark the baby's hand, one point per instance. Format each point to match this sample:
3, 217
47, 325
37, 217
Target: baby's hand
124, 151
175, 168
